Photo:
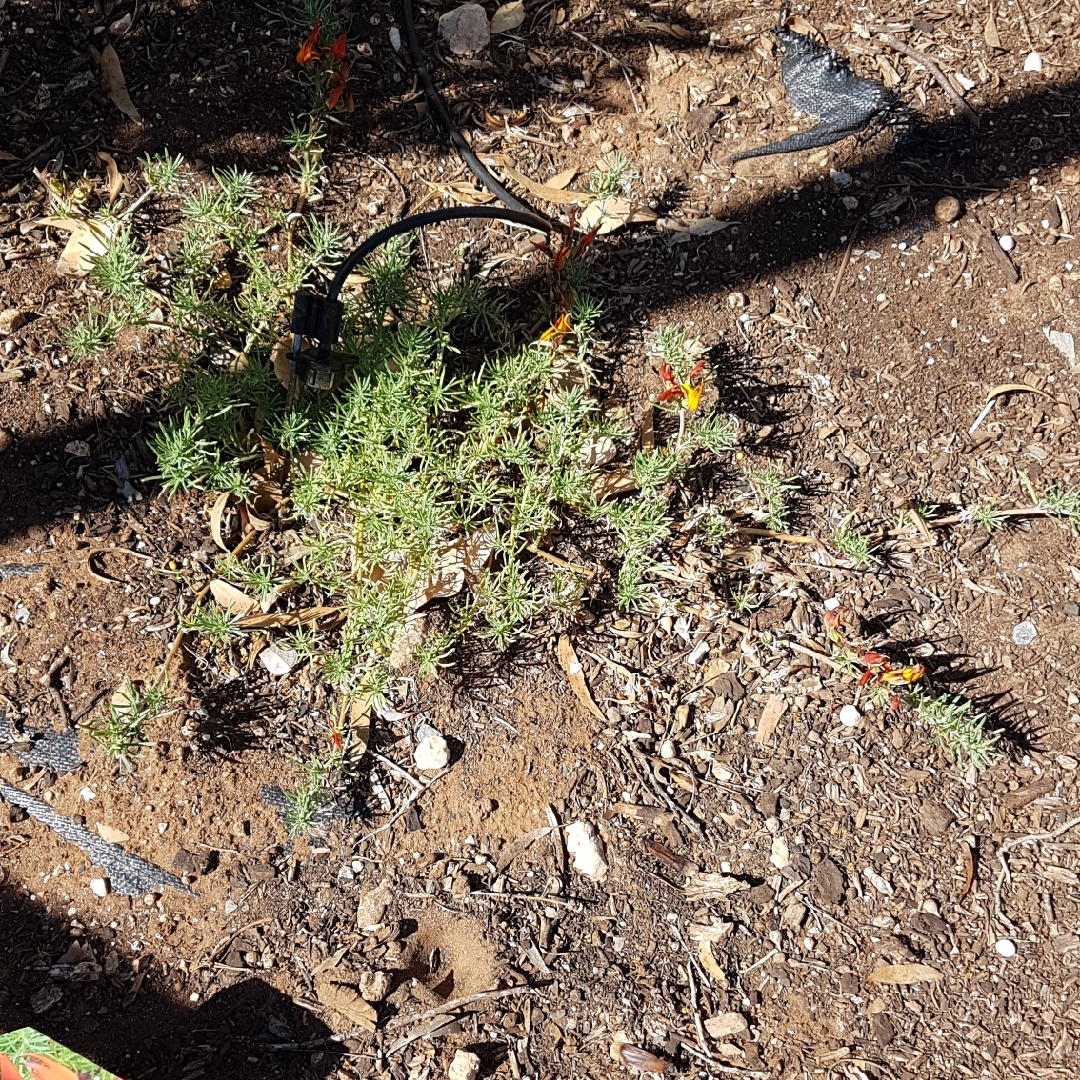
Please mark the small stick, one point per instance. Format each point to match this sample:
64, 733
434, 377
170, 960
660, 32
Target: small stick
844, 262
697, 1016
820, 657
772, 534
938, 75
960, 519
394, 767
404, 808
1016, 841
458, 1003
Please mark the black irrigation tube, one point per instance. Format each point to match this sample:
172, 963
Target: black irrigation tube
432, 217
319, 317
457, 140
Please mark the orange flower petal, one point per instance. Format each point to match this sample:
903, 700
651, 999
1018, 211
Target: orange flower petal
693, 396
310, 49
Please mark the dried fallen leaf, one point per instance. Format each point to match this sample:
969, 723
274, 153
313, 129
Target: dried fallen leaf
1015, 388
507, 17
217, 512
520, 846
572, 666
280, 619
990, 32
770, 717
346, 1001
116, 85
635, 1057
89, 239
116, 181
543, 191
607, 485
560, 180
607, 215
713, 886
229, 596
687, 230
113, 836
360, 720
904, 975
464, 191
708, 962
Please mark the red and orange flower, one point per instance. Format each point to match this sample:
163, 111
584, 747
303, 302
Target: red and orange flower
330, 69
688, 392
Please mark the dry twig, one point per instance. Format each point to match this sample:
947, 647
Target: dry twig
1017, 841
936, 73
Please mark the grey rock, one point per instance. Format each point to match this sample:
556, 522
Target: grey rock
465, 29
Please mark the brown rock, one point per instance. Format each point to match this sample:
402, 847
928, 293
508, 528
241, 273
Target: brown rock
936, 818
374, 985
1070, 174
882, 1029
5, 439
761, 896
1026, 795
827, 882
947, 209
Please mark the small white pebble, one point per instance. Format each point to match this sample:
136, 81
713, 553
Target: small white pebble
832, 603
1005, 948
850, 716
99, 887
87, 794
1006, 243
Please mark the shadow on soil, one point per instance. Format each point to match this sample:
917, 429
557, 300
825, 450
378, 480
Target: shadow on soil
230, 1034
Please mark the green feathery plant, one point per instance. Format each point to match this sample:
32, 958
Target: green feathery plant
956, 726
613, 175
91, 335
309, 795
772, 492
121, 733
987, 515
853, 545
164, 172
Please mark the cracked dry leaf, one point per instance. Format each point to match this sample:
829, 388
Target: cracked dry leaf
229, 596
347, 1002
89, 238
904, 975
713, 886
572, 666
116, 84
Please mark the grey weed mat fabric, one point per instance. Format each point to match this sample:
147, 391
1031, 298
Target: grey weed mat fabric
17, 570
128, 874
56, 750
822, 84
